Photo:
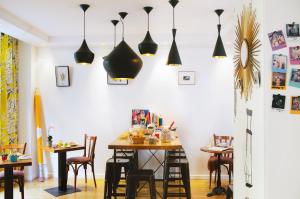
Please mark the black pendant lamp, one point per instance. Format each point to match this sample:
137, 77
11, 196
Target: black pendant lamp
148, 47
122, 62
219, 51
174, 57
84, 55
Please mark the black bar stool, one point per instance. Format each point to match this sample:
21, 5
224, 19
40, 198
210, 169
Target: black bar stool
126, 164
181, 163
137, 175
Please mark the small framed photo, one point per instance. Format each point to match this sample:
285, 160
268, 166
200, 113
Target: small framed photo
62, 76
295, 105
186, 77
111, 81
277, 40
295, 55
278, 101
278, 81
295, 78
292, 30
279, 63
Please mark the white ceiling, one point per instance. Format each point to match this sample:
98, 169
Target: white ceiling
59, 19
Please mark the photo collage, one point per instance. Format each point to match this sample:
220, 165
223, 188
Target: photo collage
285, 67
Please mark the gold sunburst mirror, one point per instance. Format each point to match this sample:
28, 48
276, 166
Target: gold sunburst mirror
246, 47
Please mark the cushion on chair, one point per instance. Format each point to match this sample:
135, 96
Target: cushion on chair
78, 160
17, 173
212, 163
226, 160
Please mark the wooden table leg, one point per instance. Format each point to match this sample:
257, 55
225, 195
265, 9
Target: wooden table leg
8, 187
62, 171
115, 175
218, 190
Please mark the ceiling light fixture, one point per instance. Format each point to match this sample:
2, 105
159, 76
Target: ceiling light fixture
219, 51
84, 55
148, 47
174, 57
122, 62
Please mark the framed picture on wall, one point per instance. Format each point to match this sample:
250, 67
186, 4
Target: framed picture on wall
295, 105
111, 81
62, 76
186, 77
292, 30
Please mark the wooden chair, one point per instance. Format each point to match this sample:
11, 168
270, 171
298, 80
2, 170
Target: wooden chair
226, 159
87, 159
18, 172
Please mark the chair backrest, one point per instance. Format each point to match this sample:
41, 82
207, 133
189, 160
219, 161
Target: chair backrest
223, 139
13, 148
89, 146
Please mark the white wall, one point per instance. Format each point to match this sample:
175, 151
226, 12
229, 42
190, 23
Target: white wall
282, 130
256, 104
26, 86
92, 106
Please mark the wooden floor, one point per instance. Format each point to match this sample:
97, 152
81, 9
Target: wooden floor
35, 190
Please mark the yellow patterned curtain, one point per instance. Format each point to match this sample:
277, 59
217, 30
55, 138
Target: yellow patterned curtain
8, 89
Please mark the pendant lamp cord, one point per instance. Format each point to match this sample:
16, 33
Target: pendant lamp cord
173, 18
115, 36
122, 28
148, 22
84, 24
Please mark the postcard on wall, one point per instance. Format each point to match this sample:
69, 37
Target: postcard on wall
278, 81
277, 40
292, 30
295, 105
295, 55
278, 102
140, 117
295, 78
279, 63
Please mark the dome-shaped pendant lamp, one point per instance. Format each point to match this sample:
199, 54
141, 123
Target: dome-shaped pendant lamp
148, 47
219, 51
84, 55
122, 62
174, 57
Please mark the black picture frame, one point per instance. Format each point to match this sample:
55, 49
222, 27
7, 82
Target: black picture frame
62, 72
292, 30
111, 81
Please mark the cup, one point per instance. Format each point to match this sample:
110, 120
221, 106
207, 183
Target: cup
4, 157
13, 158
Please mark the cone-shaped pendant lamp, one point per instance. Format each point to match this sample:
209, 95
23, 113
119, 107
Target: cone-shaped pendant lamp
114, 22
219, 51
84, 55
148, 47
122, 62
174, 57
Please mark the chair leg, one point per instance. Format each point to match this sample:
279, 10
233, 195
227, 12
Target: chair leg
186, 180
75, 176
93, 171
21, 185
130, 188
85, 167
166, 181
210, 174
152, 188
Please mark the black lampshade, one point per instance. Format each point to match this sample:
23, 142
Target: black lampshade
148, 47
84, 55
219, 51
122, 62
174, 57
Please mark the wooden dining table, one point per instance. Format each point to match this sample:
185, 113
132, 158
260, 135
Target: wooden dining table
8, 167
63, 188
218, 190
125, 144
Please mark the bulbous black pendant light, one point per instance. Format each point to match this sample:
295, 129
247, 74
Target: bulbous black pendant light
122, 62
174, 57
84, 55
219, 51
148, 47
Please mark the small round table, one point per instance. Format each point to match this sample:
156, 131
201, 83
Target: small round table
218, 190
